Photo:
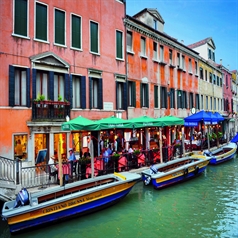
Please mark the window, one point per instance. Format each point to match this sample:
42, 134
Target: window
155, 24
210, 103
202, 106
121, 95
183, 62
220, 82
170, 57
155, 50
163, 97
76, 31
119, 45
172, 98
132, 94
20, 17
41, 22
129, 41
201, 73
20, 146
144, 95
79, 91
190, 65
19, 86
181, 99
42, 84
96, 93
214, 104
226, 81
197, 101
206, 102
210, 77
178, 60
191, 100
156, 96
58, 86
143, 46
94, 44
205, 74
209, 54
217, 81
59, 27
161, 53
196, 68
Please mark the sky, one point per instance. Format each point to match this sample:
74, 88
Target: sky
195, 20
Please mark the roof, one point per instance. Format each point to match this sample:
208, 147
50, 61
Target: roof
152, 11
208, 40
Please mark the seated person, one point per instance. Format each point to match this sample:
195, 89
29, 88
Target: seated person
87, 153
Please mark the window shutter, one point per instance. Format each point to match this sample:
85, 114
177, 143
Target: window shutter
70, 91
90, 93
117, 95
125, 96
147, 95
100, 94
11, 86
76, 30
67, 91
41, 22
59, 27
119, 44
156, 96
141, 97
83, 91
51, 85
34, 83
28, 100
94, 37
134, 94
20, 20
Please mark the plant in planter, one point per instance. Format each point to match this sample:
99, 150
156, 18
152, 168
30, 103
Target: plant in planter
84, 160
60, 98
115, 157
136, 152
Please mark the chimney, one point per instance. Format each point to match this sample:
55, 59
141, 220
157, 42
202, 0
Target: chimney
182, 41
220, 61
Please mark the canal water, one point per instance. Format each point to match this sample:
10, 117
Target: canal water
206, 206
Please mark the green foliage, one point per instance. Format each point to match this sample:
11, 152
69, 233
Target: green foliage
59, 98
40, 97
85, 160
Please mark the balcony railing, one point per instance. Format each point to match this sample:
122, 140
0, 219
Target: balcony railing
50, 110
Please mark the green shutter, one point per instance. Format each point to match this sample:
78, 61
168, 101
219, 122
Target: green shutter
83, 91
59, 27
11, 86
119, 45
147, 104
41, 22
141, 95
90, 92
20, 20
94, 37
76, 31
125, 103
156, 96
100, 94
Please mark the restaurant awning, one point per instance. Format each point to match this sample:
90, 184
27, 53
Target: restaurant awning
79, 124
194, 119
170, 121
112, 122
143, 121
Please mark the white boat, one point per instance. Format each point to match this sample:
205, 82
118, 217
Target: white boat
57, 203
175, 171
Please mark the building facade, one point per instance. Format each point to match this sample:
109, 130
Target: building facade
58, 60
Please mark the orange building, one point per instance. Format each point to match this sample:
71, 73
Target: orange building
162, 72
58, 59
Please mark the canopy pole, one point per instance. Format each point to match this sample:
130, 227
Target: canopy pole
60, 163
208, 140
160, 145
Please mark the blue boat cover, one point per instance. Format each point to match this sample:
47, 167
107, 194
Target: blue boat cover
235, 138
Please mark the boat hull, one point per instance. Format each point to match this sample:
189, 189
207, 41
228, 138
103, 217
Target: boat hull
176, 175
72, 205
228, 154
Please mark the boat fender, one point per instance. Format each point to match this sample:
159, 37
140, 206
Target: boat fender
153, 169
22, 198
185, 172
147, 180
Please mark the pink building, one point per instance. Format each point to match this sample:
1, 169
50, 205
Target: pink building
58, 58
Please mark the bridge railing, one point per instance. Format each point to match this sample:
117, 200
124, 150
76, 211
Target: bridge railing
9, 170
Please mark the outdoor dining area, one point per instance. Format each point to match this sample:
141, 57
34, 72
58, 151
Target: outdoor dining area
117, 145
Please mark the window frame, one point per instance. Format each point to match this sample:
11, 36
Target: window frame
36, 25
64, 27
96, 41
119, 45
143, 46
72, 15
129, 39
16, 20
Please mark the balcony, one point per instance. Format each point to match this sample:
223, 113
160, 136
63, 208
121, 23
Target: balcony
50, 110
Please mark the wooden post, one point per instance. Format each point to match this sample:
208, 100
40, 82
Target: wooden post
183, 150
60, 164
160, 145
